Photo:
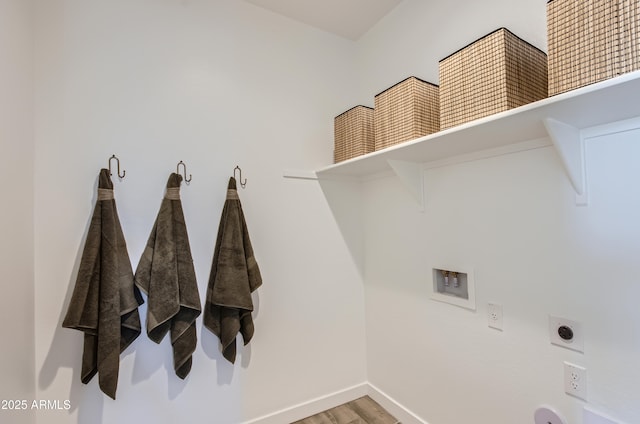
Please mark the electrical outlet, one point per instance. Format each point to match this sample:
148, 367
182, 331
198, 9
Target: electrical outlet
494, 315
546, 415
566, 333
575, 380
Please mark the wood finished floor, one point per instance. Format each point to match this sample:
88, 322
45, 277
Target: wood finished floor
360, 411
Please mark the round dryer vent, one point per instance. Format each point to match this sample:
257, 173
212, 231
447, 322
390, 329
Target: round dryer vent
546, 415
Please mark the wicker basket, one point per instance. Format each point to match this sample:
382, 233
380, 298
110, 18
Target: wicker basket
498, 72
353, 133
407, 110
590, 41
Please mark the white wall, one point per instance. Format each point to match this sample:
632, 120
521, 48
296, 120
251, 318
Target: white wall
16, 215
514, 220
214, 83
220, 82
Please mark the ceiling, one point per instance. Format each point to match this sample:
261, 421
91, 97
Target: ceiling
346, 18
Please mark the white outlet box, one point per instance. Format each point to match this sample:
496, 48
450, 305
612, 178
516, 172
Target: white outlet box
457, 289
494, 315
576, 342
575, 380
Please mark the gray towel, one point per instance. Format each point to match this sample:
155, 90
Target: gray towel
104, 304
234, 276
166, 274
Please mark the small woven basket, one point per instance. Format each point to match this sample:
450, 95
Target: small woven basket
590, 41
498, 72
353, 133
405, 111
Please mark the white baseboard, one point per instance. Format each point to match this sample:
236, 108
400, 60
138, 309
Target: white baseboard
313, 406
322, 403
402, 414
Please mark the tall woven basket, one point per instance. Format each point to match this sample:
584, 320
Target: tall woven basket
498, 72
590, 41
405, 111
353, 133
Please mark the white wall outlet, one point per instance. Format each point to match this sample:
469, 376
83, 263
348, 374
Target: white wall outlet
547, 415
494, 315
566, 333
575, 380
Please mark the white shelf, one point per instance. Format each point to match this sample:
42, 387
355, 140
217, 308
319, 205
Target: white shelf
562, 118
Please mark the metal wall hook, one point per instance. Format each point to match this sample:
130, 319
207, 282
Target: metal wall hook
118, 166
185, 172
243, 184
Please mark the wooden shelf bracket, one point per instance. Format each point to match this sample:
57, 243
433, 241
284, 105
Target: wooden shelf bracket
412, 176
569, 144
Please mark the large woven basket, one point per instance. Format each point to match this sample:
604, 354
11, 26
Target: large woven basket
590, 41
405, 111
353, 133
498, 72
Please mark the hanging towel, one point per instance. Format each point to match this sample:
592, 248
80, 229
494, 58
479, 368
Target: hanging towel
166, 274
234, 276
105, 301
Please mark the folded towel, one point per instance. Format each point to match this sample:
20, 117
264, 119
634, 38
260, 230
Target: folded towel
234, 276
104, 304
166, 274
